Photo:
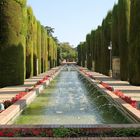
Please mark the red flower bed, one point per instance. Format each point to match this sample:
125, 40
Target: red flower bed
7, 103
43, 80
126, 98
107, 86
26, 132
18, 96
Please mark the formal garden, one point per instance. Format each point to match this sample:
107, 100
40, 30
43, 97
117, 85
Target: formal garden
49, 89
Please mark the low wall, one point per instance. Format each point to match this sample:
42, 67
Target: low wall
13, 111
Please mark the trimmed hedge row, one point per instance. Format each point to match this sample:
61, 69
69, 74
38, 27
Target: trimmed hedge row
12, 42
121, 26
23, 44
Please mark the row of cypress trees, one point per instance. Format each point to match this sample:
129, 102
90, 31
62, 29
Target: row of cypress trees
121, 26
25, 47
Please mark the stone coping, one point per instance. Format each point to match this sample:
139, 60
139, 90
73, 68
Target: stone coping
86, 126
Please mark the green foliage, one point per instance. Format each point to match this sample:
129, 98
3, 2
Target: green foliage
23, 43
92, 47
134, 47
46, 52
58, 56
12, 42
67, 52
89, 52
79, 55
39, 46
83, 53
106, 38
29, 44
34, 47
42, 49
50, 50
98, 45
115, 33
123, 28
126, 132
66, 132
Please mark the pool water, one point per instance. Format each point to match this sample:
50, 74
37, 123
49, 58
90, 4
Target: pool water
70, 100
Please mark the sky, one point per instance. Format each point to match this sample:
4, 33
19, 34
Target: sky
72, 20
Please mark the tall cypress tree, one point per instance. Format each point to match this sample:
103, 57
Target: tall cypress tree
34, 47
134, 47
106, 38
123, 24
98, 45
83, 53
115, 33
29, 44
50, 51
89, 52
92, 47
42, 49
12, 42
46, 51
79, 55
39, 46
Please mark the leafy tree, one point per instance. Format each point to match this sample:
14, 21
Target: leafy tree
50, 31
67, 52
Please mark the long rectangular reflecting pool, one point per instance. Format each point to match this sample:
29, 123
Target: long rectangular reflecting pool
70, 99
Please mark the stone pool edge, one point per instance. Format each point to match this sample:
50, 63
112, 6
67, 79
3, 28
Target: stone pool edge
13, 111
129, 111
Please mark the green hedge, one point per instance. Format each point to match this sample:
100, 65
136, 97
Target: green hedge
89, 52
106, 38
115, 33
34, 47
12, 42
123, 28
98, 45
39, 46
29, 44
134, 55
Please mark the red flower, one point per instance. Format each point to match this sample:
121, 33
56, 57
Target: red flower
107, 86
49, 133
36, 132
10, 134
1, 134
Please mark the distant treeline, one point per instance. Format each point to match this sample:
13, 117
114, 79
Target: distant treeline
121, 26
26, 49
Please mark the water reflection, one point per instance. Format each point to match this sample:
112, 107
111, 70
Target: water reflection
68, 100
